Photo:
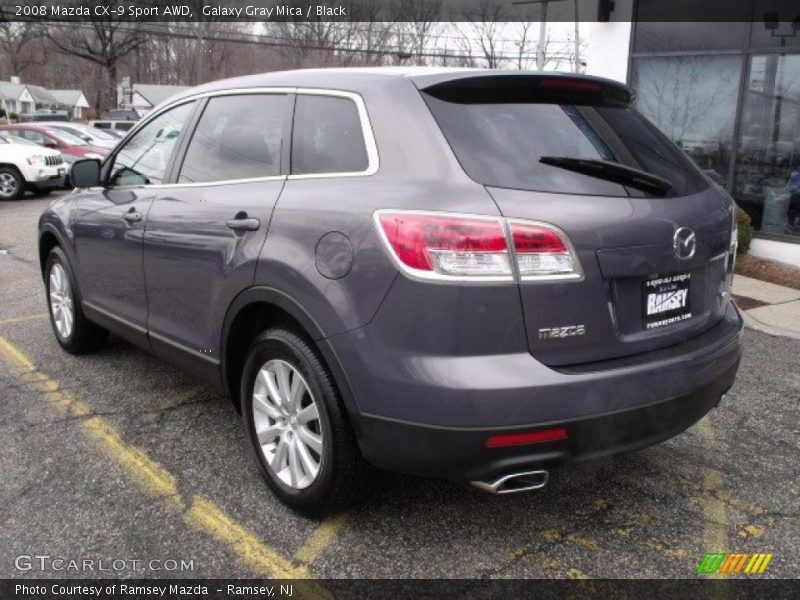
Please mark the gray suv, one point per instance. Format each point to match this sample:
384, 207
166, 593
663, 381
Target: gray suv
468, 274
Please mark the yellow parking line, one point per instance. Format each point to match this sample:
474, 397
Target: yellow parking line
206, 515
22, 319
715, 531
201, 513
320, 538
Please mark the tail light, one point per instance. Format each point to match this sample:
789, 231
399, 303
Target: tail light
543, 252
455, 247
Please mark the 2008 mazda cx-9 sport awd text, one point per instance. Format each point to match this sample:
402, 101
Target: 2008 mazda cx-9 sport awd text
467, 274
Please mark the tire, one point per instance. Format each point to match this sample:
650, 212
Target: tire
342, 471
82, 335
12, 184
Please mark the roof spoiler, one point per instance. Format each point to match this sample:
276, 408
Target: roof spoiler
550, 88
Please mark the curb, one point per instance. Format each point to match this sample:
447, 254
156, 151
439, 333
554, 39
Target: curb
752, 323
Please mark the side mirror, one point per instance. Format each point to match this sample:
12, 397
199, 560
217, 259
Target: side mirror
50, 144
85, 173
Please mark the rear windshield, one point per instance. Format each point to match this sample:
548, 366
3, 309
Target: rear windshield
500, 144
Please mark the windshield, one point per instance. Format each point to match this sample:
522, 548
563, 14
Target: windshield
501, 144
99, 134
67, 138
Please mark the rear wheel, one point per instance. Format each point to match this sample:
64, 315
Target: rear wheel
297, 426
74, 332
12, 185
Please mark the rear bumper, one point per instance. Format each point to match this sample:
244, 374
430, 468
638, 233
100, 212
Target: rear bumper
607, 407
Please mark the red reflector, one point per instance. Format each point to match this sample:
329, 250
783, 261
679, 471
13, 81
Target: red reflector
579, 85
531, 437
412, 236
535, 239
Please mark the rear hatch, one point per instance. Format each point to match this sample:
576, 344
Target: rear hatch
652, 234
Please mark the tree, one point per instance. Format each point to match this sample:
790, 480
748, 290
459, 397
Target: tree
104, 43
18, 47
484, 22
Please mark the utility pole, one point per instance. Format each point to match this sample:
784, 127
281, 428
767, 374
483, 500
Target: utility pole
577, 42
540, 57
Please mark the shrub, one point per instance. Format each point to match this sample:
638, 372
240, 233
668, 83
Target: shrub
745, 225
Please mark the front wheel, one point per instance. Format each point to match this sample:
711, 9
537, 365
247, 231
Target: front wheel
297, 426
74, 332
12, 185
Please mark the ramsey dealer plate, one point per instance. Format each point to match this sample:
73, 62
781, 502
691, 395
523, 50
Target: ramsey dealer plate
665, 300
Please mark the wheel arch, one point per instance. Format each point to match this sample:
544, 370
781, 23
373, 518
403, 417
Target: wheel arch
48, 239
259, 308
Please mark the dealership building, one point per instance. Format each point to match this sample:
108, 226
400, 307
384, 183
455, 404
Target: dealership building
727, 92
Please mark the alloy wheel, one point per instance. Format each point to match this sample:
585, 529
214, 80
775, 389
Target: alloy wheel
8, 185
287, 424
61, 301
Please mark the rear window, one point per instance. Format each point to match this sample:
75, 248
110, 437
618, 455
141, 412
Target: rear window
500, 143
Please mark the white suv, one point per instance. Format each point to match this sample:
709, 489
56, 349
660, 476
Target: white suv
25, 166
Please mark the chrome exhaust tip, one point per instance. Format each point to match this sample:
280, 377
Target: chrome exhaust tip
526, 481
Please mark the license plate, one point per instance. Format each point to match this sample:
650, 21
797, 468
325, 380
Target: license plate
666, 300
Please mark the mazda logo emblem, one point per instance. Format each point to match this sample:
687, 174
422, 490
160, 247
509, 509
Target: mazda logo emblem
684, 243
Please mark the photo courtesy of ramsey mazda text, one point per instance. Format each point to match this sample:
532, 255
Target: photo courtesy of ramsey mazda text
466, 274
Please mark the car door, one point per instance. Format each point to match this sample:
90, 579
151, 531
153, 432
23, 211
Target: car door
109, 225
205, 230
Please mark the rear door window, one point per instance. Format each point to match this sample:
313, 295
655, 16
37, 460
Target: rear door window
500, 144
327, 136
238, 137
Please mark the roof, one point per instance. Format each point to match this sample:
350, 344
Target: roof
12, 91
70, 97
41, 95
362, 79
156, 94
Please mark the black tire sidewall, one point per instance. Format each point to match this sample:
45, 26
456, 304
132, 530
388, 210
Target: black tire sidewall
283, 345
20, 182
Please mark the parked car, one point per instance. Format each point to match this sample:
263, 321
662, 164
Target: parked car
465, 274
114, 127
71, 147
121, 114
54, 115
90, 135
28, 167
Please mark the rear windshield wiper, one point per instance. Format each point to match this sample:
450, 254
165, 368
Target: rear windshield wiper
612, 171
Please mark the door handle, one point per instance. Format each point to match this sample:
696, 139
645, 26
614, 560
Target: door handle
132, 217
243, 224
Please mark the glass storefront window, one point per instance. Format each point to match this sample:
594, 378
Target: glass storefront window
767, 170
692, 99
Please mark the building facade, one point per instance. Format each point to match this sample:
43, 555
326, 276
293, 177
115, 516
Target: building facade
728, 93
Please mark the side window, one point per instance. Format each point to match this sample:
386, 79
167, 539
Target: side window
144, 158
33, 136
238, 137
327, 136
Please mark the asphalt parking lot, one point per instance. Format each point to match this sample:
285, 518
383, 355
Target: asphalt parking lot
119, 456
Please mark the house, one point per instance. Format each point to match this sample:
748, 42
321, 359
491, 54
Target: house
15, 98
19, 98
72, 100
143, 97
